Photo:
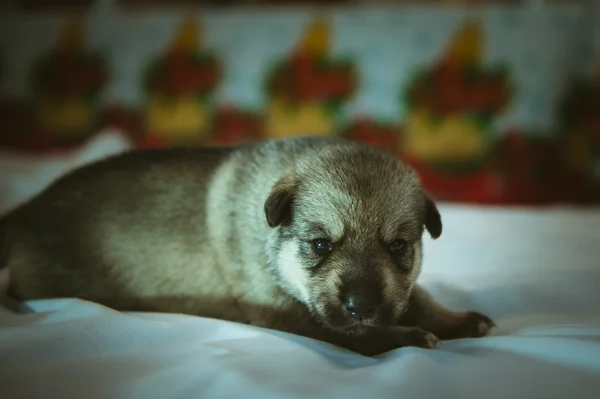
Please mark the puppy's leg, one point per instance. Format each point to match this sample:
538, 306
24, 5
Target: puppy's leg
5, 300
369, 343
379, 341
424, 312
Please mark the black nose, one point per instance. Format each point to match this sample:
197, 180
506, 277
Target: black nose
362, 300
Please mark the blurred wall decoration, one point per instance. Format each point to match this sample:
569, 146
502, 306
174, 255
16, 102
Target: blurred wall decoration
66, 84
490, 103
306, 91
179, 86
451, 108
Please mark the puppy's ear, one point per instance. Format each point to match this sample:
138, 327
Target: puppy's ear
278, 206
433, 220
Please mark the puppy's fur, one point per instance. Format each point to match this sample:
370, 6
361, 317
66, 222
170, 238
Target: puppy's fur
230, 233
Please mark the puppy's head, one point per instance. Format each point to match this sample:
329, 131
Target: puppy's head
348, 222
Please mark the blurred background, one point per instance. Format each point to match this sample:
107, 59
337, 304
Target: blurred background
493, 102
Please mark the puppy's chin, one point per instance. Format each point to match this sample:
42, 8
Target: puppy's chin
340, 321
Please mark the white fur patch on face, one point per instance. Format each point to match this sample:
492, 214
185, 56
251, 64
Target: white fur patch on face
417, 261
293, 276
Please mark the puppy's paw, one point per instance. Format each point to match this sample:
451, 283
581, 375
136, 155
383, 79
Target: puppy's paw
381, 341
418, 337
474, 325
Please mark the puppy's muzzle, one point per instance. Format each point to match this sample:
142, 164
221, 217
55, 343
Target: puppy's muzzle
361, 300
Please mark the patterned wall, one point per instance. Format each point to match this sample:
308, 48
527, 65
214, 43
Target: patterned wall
490, 104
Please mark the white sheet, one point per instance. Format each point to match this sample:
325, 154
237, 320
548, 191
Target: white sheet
21, 176
535, 272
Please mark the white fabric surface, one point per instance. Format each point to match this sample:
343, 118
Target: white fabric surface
535, 272
21, 176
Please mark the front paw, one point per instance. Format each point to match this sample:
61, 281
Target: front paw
413, 336
385, 340
473, 325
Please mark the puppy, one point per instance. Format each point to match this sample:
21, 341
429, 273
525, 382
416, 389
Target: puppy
319, 237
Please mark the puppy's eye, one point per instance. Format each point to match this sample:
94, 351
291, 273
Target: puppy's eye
397, 247
322, 246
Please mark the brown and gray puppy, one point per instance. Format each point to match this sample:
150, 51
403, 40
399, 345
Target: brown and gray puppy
315, 237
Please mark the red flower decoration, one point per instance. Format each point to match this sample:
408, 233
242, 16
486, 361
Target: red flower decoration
304, 78
180, 74
64, 74
233, 126
374, 133
450, 87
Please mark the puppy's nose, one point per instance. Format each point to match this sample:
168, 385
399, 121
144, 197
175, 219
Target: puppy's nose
360, 307
362, 302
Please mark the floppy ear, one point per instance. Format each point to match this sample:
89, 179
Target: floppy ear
278, 206
433, 220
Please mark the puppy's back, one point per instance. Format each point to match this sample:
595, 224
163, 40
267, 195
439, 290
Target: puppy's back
99, 223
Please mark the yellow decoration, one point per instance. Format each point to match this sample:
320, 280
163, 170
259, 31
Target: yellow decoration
285, 120
72, 37
467, 45
455, 138
65, 118
187, 38
177, 119
316, 40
